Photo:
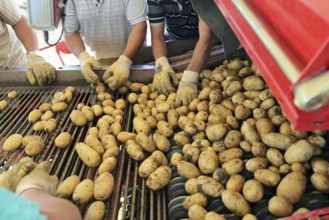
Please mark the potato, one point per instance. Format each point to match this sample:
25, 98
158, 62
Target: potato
39, 126
13, 142
300, 211
108, 165
97, 110
103, 96
66, 188
245, 146
88, 112
197, 212
195, 199
145, 142
95, 211
12, 94
233, 139
278, 140
233, 166
88, 155
120, 104
103, 186
279, 206
235, 202
208, 161
159, 178
320, 182
241, 113
209, 186
191, 186
83, 192
132, 98
141, 126
3, 104
215, 96
136, 87
320, 165
161, 157
34, 148
268, 103
216, 132
264, 126
187, 170
258, 149
267, 177
220, 175
58, 107
108, 110
111, 151
292, 187
275, 157
230, 154
94, 143
176, 157
235, 183
50, 125
149, 165
285, 169
63, 140
28, 138
253, 191
181, 139
300, 151
164, 128
134, 150
249, 132
161, 142
256, 163
47, 115
78, 118
192, 155
124, 136
34, 115
214, 216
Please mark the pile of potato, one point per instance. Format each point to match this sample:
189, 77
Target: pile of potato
235, 114
3, 103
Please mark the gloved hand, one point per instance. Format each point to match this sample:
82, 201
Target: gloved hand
38, 70
39, 179
117, 74
164, 77
87, 62
187, 89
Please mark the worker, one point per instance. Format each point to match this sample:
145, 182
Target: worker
15, 35
177, 19
100, 32
35, 199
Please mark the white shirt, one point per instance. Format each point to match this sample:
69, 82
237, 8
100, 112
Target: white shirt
105, 25
12, 52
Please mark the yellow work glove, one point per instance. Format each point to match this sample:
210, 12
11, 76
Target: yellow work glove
38, 70
164, 76
187, 89
117, 74
87, 62
39, 179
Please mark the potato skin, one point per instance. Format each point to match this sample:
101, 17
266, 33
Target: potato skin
58, 107
145, 142
278, 140
197, 212
216, 132
34, 148
300, 151
279, 206
235, 183
292, 187
208, 161
159, 178
78, 118
94, 143
103, 186
253, 191
235, 202
34, 115
209, 186
28, 138
88, 155
66, 188
108, 165
267, 177
197, 198
83, 192
320, 182
13, 142
149, 165
95, 211
187, 170
63, 140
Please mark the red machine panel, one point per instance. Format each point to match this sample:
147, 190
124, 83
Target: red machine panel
289, 43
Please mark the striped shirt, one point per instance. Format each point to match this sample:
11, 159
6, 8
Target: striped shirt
105, 25
12, 52
179, 17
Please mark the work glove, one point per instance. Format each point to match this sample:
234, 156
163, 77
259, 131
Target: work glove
187, 89
39, 179
38, 70
117, 74
164, 77
87, 62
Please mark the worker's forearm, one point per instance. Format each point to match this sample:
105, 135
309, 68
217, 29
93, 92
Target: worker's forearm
135, 40
159, 47
26, 35
75, 43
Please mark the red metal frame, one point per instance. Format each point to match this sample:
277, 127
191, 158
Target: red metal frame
301, 28
319, 214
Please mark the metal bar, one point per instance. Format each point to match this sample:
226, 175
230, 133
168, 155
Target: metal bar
288, 67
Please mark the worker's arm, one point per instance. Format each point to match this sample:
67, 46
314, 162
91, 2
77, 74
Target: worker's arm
135, 40
202, 49
75, 43
158, 41
26, 35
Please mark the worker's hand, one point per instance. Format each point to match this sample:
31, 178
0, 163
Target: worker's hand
117, 74
87, 62
164, 77
39, 179
38, 70
187, 89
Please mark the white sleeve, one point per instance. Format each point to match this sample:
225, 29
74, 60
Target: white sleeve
136, 11
71, 22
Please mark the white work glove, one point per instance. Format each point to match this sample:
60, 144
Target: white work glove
39, 179
187, 89
38, 70
117, 74
164, 77
87, 62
